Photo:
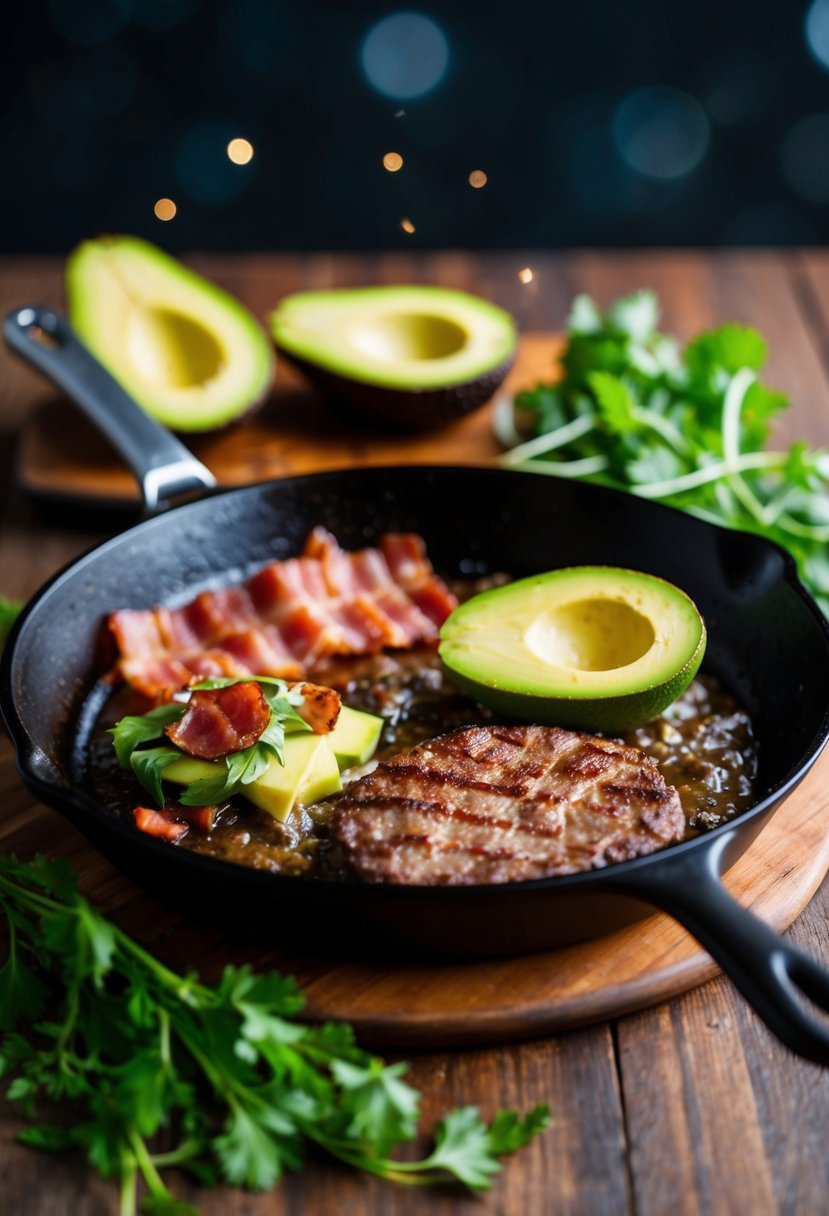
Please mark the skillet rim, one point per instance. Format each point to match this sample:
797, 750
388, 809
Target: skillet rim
71, 799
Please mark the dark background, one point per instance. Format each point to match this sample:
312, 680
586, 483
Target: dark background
597, 122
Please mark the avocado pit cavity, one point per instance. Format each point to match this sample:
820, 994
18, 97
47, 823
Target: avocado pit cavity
408, 357
597, 648
590, 635
167, 348
187, 352
408, 337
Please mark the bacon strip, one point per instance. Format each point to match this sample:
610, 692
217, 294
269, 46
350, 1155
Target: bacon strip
287, 616
160, 824
218, 721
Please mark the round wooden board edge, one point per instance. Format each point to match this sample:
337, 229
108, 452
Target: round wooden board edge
779, 900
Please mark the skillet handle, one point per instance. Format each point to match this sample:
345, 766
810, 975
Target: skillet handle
162, 464
772, 975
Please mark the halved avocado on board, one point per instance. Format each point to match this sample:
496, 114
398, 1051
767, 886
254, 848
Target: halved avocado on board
597, 648
188, 353
405, 357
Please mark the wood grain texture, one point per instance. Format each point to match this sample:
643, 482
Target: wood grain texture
686, 1107
61, 456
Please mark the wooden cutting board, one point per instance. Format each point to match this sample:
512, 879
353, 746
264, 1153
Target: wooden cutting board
492, 1001
406, 1005
61, 455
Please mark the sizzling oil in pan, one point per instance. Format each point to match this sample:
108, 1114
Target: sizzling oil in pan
703, 744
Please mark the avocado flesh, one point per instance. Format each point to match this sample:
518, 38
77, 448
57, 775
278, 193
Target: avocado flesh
187, 352
310, 773
312, 764
355, 737
592, 647
408, 357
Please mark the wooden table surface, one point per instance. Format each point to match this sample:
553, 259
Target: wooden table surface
690, 1107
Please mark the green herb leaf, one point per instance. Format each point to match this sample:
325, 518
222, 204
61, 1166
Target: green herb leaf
462, 1148
616, 404
384, 1110
630, 413
148, 764
135, 729
240, 768
132, 1048
9, 610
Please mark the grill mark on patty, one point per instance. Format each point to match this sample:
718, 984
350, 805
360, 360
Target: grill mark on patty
470, 807
437, 810
450, 777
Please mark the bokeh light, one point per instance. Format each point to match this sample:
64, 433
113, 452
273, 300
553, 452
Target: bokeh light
816, 31
392, 161
165, 209
405, 55
660, 132
407, 226
525, 275
240, 151
477, 179
804, 157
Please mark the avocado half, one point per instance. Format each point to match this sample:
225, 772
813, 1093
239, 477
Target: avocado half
597, 648
404, 357
186, 351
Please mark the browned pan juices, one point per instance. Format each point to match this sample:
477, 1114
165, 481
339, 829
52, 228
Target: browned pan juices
703, 744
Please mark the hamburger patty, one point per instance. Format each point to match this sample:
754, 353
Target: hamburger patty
489, 804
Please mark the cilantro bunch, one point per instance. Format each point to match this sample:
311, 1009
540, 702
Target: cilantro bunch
239, 768
688, 428
237, 1088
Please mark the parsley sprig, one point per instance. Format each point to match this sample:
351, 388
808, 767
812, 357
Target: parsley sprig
240, 768
238, 1088
9, 610
688, 428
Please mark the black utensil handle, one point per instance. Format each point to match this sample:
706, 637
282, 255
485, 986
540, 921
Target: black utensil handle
772, 975
162, 464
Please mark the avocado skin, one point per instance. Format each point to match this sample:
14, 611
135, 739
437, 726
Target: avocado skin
598, 715
416, 409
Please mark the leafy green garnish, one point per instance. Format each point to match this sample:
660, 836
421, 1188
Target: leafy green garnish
9, 610
690, 430
240, 768
238, 1088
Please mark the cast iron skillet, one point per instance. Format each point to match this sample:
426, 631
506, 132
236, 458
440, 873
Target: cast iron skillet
768, 643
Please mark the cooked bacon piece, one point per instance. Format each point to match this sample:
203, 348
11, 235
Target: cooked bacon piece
261, 652
219, 721
161, 824
320, 707
202, 818
405, 554
287, 616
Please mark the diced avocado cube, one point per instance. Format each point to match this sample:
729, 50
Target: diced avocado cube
355, 737
187, 769
310, 773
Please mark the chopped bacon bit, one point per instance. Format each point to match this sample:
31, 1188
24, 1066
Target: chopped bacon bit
161, 824
219, 721
320, 707
287, 616
202, 818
